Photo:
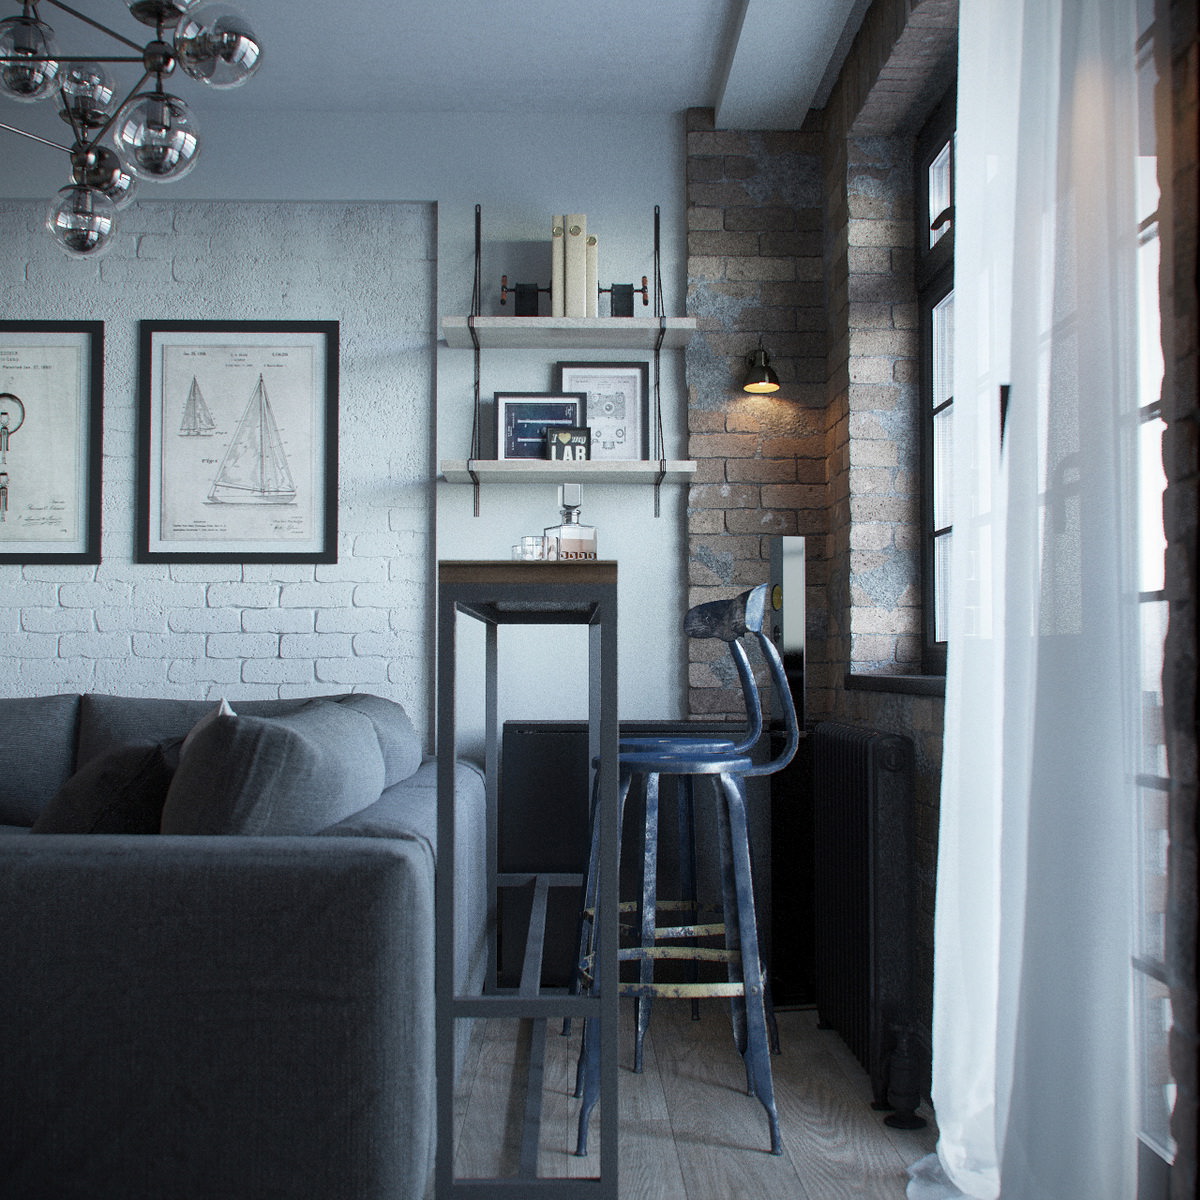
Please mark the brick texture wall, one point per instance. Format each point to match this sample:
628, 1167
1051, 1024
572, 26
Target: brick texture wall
899, 66
873, 371
754, 267
253, 630
806, 239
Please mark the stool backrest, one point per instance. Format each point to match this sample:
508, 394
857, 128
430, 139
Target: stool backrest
731, 620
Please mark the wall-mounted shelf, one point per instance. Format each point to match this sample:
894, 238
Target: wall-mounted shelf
537, 470
656, 333
586, 333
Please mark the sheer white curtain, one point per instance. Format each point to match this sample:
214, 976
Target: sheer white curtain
1033, 1026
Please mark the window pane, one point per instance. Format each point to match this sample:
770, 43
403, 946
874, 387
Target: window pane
1150, 359
943, 457
1152, 759
943, 350
941, 587
1158, 1092
939, 193
1152, 481
1152, 868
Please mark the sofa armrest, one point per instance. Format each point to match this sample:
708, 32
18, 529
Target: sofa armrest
201, 1016
409, 810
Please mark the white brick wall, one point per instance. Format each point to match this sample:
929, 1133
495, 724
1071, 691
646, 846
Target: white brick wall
199, 630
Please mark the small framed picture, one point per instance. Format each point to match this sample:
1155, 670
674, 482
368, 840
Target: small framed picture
522, 419
618, 405
568, 444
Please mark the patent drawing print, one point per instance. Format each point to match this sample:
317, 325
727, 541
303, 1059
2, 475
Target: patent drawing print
197, 421
50, 414
617, 405
238, 442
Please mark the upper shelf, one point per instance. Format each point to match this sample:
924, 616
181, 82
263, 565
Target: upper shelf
541, 470
587, 333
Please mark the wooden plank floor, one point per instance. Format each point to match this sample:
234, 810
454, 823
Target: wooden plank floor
688, 1130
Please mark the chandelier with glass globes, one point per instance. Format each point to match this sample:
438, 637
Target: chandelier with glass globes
151, 134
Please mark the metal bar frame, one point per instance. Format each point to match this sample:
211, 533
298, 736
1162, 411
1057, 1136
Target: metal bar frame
526, 593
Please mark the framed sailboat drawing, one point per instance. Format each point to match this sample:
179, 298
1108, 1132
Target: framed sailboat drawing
238, 441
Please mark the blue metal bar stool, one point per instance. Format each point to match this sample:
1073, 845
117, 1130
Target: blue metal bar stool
730, 764
676, 744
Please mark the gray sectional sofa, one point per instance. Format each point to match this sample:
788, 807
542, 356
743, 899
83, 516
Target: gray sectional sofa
216, 957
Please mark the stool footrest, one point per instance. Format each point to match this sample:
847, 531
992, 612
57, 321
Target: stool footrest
679, 954
682, 991
689, 931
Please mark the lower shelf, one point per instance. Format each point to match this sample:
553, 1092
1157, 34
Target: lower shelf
538, 470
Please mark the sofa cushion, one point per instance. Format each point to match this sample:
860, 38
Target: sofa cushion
122, 791
38, 734
106, 722
291, 774
402, 750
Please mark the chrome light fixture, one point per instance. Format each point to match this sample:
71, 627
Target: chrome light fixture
151, 134
760, 379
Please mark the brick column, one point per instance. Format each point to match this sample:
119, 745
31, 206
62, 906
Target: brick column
754, 268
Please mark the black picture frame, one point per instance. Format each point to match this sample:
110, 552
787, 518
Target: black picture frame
618, 404
51, 454
238, 441
522, 419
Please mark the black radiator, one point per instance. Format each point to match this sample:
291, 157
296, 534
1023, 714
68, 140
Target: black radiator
864, 867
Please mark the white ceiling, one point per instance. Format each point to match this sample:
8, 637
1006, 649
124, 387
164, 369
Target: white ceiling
759, 63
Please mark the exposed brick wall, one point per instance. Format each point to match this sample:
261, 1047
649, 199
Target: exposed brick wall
898, 67
1179, 171
874, 373
754, 267
253, 630
806, 238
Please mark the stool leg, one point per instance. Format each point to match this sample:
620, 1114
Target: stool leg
587, 1082
641, 1004
751, 1030
686, 799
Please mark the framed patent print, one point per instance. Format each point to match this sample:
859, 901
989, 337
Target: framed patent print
238, 441
51, 405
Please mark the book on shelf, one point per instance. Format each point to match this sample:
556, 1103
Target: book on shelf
575, 265
557, 267
591, 306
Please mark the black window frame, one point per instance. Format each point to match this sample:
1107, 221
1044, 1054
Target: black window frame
934, 268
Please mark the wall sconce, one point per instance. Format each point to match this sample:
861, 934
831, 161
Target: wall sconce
760, 379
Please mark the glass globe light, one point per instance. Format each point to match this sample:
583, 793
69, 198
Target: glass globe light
156, 136
86, 93
157, 12
215, 44
99, 167
82, 221
121, 189
27, 38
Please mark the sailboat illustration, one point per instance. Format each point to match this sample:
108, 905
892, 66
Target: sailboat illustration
197, 420
255, 469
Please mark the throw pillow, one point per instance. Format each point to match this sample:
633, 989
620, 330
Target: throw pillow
222, 710
122, 791
292, 774
402, 750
